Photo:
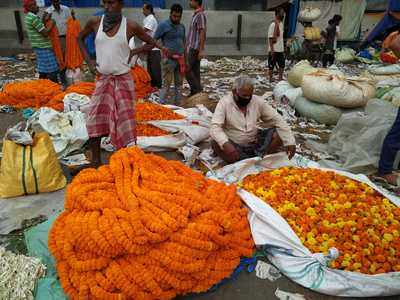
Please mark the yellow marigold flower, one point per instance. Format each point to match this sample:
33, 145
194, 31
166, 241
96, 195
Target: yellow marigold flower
388, 237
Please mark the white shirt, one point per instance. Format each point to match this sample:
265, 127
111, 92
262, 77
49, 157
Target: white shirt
150, 23
336, 37
112, 53
60, 17
230, 123
278, 46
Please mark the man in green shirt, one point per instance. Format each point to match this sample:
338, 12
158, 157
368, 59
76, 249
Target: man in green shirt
38, 34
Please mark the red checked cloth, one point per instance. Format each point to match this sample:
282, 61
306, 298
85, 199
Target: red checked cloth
112, 110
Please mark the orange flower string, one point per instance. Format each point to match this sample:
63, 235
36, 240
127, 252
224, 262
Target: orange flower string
329, 210
153, 112
56, 44
73, 54
147, 228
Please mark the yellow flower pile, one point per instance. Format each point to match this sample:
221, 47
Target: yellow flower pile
329, 210
143, 227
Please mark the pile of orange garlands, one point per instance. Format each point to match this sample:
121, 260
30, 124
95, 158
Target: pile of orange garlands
149, 130
142, 81
73, 54
329, 210
144, 227
40, 93
146, 111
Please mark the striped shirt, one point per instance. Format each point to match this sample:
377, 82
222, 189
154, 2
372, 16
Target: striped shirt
34, 26
199, 22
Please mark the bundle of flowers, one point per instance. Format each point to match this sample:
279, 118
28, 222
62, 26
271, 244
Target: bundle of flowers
83, 88
142, 81
329, 210
149, 130
40, 93
146, 111
29, 93
73, 54
56, 45
144, 227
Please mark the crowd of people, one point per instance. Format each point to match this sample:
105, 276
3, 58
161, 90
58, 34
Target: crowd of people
172, 53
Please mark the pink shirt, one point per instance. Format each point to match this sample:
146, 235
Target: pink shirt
230, 123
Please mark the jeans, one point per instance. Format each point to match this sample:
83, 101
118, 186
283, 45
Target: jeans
390, 147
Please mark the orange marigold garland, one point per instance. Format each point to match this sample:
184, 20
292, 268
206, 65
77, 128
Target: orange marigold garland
146, 111
329, 210
73, 54
149, 130
55, 42
120, 238
142, 81
40, 93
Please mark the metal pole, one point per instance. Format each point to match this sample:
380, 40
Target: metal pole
239, 32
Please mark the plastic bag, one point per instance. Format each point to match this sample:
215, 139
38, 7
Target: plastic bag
345, 55
337, 91
19, 134
284, 90
67, 130
393, 96
73, 76
30, 169
357, 138
322, 113
309, 14
76, 102
295, 75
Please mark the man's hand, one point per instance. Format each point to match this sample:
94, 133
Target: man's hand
92, 66
290, 150
231, 152
133, 52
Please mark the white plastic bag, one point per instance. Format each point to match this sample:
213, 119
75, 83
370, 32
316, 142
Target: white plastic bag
295, 75
337, 91
322, 113
345, 55
67, 130
309, 14
73, 76
76, 102
284, 90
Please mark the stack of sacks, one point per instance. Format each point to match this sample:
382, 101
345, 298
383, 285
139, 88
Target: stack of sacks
328, 96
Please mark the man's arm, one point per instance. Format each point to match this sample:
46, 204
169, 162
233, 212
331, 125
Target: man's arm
135, 30
89, 28
202, 35
41, 28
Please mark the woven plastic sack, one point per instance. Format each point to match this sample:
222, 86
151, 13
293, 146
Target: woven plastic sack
295, 75
393, 96
30, 169
384, 70
284, 90
322, 113
312, 33
345, 55
337, 91
309, 14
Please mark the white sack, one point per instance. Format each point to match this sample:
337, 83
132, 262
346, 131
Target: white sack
337, 91
284, 90
76, 102
384, 70
309, 14
295, 75
322, 113
67, 130
345, 55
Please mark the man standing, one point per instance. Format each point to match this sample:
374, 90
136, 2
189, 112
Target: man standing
172, 34
112, 107
47, 65
60, 14
195, 46
150, 25
234, 131
330, 36
276, 51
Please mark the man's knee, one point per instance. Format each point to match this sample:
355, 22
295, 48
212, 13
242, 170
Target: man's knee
221, 153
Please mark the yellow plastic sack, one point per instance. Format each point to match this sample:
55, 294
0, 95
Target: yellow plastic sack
312, 33
30, 169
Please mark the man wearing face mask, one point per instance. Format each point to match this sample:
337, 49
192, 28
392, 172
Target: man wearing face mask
234, 131
112, 108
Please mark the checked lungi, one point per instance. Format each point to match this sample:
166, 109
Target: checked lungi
112, 110
46, 60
